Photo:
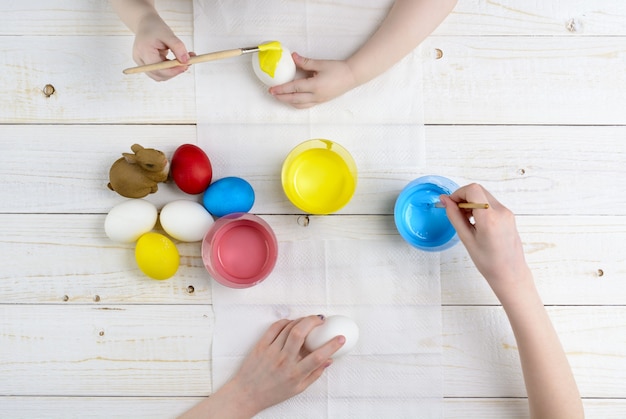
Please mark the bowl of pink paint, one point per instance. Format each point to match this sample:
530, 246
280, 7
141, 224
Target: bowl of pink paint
239, 250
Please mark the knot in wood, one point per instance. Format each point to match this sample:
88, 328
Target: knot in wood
48, 90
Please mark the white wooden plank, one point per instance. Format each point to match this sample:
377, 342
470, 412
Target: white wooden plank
65, 168
525, 80
478, 17
25, 407
71, 17
479, 80
481, 358
68, 258
161, 350
518, 408
77, 263
533, 169
124, 350
561, 170
575, 260
547, 18
169, 407
89, 87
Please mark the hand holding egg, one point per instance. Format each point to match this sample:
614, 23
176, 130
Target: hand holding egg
333, 326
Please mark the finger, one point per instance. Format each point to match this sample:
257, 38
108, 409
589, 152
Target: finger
301, 85
298, 334
469, 193
162, 75
493, 202
297, 100
304, 63
178, 48
281, 339
459, 220
273, 331
316, 374
320, 356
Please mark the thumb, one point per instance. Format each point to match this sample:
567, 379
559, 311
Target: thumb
178, 48
307, 64
457, 218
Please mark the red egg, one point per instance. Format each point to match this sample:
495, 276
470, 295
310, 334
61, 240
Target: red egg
191, 169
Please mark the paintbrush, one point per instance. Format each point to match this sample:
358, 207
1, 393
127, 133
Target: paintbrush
211, 56
465, 205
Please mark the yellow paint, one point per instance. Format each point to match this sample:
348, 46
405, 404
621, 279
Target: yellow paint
320, 178
269, 56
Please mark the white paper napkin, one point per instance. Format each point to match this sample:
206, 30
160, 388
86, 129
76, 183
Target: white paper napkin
229, 92
390, 289
392, 292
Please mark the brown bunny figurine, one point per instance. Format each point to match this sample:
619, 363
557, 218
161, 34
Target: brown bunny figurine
136, 175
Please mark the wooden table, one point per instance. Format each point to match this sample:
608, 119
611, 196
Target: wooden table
526, 98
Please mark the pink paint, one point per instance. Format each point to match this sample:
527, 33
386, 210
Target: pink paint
239, 250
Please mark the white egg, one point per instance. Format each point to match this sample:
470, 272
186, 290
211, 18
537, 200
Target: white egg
184, 220
285, 69
127, 221
334, 326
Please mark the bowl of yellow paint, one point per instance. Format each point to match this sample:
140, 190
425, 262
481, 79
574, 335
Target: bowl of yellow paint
319, 176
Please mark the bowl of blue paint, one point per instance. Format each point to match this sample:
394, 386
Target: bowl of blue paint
418, 220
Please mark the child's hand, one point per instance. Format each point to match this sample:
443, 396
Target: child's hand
491, 238
153, 41
277, 368
326, 80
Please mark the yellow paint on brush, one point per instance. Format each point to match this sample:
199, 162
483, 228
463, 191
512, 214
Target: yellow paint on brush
269, 56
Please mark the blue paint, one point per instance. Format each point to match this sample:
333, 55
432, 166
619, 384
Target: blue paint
417, 219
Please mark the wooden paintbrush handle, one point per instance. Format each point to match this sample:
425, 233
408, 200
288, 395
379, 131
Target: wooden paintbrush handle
212, 56
473, 205
466, 205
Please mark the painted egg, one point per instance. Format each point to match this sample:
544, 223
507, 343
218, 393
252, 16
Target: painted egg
157, 256
191, 169
186, 221
127, 221
333, 326
228, 195
275, 65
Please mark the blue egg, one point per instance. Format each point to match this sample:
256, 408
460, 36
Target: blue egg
228, 195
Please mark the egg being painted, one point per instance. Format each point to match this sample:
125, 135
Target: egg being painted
274, 64
333, 326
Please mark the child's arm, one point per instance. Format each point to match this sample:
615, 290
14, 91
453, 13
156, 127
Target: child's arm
407, 24
153, 37
495, 247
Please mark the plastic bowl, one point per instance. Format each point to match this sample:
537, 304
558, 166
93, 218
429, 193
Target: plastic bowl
417, 219
319, 176
239, 250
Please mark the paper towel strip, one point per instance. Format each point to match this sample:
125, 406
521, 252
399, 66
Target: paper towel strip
389, 288
229, 92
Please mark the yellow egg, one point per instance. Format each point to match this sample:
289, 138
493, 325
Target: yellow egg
157, 256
